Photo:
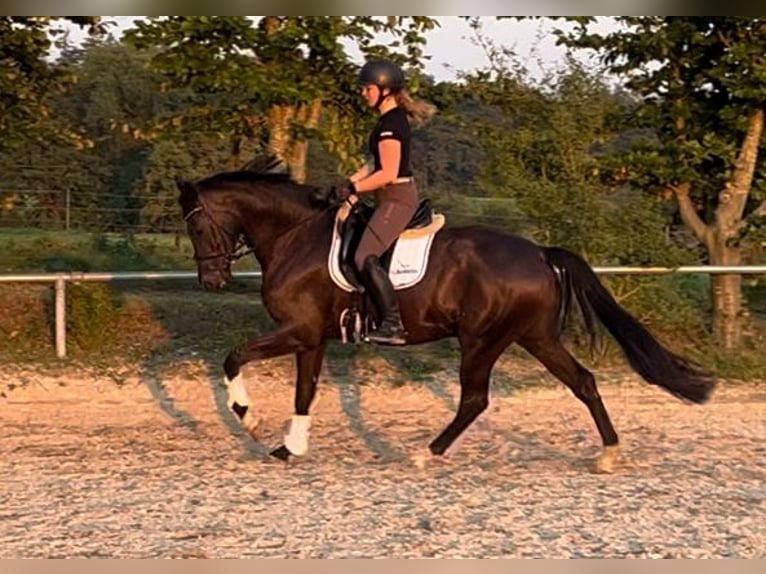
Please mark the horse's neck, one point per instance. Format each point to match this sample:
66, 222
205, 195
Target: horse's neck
303, 246
270, 223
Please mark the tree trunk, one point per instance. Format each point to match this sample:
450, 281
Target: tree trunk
308, 116
298, 161
281, 143
727, 295
280, 117
727, 289
721, 238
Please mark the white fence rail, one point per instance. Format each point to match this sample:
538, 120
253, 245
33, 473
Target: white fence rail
59, 281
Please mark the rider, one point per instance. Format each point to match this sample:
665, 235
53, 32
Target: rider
389, 175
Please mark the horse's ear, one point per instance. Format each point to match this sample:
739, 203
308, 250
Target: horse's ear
188, 189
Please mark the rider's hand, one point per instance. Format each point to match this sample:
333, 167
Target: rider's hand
344, 190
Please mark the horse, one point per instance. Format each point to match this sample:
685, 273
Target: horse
484, 286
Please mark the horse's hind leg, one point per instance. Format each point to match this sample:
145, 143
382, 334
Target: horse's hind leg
580, 380
477, 360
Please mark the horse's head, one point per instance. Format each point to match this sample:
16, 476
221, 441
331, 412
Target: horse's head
213, 233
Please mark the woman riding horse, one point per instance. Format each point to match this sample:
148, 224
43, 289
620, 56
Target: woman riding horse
389, 176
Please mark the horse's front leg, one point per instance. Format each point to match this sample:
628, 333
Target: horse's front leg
274, 344
308, 364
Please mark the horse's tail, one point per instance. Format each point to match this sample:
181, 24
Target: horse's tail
648, 357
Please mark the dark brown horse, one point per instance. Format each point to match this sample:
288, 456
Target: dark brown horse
486, 287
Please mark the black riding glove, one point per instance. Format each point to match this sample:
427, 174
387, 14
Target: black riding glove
344, 190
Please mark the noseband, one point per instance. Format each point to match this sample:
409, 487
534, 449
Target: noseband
240, 247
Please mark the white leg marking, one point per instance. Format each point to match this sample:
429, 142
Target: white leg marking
238, 396
297, 435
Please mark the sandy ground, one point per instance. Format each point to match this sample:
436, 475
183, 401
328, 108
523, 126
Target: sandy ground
156, 467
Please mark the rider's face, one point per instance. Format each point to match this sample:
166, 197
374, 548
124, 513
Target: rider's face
371, 92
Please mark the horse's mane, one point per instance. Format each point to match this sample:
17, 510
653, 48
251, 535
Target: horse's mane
302, 194
246, 176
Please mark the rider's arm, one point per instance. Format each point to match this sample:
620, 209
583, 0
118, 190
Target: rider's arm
390, 154
362, 172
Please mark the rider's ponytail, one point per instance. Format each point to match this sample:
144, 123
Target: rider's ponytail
421, 112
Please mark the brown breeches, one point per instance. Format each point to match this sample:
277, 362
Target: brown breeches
396, 205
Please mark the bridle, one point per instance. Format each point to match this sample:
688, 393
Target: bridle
240, 247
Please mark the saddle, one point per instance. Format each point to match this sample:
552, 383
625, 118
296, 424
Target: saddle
351, 234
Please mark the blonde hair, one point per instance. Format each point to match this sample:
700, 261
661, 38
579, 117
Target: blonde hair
421, 112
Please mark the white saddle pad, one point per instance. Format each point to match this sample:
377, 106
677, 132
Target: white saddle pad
409, 260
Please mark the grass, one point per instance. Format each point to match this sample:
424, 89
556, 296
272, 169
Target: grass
47, 251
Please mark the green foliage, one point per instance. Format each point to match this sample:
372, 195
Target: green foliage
155, 126
254, 80
543, 151
696, 80
194, 156
101, 180
446, 157
93, 310
28, 79
45, 251
103, 104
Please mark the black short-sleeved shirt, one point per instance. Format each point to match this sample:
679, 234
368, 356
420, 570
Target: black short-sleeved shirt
393, 125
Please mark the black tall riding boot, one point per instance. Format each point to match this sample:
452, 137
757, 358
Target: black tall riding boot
390, 331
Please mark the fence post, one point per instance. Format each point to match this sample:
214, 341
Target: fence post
60, 316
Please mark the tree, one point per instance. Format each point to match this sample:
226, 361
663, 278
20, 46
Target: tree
445, 155
278, 79
115, 89
701, 84
543, 140
541, 156
28, 79
195, 156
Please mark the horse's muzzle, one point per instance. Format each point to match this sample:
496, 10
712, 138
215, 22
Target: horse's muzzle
213, 280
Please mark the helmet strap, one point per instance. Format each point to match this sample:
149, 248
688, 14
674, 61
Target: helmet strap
381, 97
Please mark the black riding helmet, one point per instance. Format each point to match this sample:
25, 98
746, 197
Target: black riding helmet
382, 73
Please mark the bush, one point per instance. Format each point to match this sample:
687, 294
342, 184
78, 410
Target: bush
93, 312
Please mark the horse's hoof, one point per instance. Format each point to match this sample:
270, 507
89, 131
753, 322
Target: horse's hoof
607, 462
422, 458
252, 425
425, 458
281, 453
